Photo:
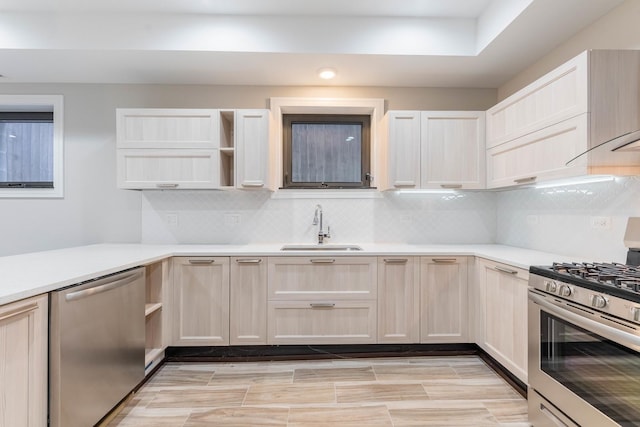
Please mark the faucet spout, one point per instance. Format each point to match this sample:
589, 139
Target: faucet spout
317, 220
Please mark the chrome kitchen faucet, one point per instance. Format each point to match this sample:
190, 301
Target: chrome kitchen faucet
317, 220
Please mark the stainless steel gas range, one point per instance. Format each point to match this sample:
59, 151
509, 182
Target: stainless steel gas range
584, 345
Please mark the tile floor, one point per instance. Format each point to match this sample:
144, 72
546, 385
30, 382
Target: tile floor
416, 391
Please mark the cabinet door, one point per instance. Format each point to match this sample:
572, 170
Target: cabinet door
201, 301
252, 148
443, 300
505, 315
248, 301
557, 96
153, 169
453, 151
23, 363
322, 278
317, 322
398, 300
539, 156
166, 128
404, 149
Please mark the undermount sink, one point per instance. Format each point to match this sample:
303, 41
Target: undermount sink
321, 248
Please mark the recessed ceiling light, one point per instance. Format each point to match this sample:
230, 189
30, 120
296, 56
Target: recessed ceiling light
326, 73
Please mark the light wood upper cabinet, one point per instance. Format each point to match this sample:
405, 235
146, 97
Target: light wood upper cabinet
252, 148
200, 301
23, 362
436, 149
404, 149
453, 149
398, 300
443, 300
248, 301
550, 129
503, 331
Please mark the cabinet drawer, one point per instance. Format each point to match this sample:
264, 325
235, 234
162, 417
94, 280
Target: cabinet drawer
326, 322
140, 169
321, 278
167, 128
539, 156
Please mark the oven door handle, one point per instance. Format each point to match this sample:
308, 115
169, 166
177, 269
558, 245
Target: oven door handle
623, 338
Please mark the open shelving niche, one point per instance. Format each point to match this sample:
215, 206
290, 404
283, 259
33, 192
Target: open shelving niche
156, 276
227, 148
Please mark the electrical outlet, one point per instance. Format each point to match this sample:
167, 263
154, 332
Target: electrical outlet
601, 222
232, 219
171, 219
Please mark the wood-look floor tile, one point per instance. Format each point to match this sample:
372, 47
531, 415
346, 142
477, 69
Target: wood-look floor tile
508, 411
294, 394
140, 417
344, 416
441, 417
285, 377
413, 372
200, 397
181, 375
366, 392
240, 417
333, 375
475, 371
469, 389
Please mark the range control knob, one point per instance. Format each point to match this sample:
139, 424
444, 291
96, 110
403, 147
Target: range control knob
598, 301
551, 285
565, 291
636, 314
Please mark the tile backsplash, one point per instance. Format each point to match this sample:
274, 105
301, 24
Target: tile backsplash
240, 217
564, 220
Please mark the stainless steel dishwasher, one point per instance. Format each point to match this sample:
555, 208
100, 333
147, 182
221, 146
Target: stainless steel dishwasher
96, 349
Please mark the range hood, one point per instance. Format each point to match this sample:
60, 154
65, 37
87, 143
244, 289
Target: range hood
628, 142
619, 155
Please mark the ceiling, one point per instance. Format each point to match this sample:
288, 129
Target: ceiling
412, 43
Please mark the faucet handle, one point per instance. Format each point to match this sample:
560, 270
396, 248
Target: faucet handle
328, 231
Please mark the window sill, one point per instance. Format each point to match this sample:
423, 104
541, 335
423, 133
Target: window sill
327, 194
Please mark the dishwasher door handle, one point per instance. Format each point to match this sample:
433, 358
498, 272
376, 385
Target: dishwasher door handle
104, 285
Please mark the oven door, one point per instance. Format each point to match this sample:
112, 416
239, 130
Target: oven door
588, 369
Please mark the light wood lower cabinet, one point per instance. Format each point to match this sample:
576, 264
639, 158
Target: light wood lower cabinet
200, 301
23, 363
398, 300
322, 300
248, 301
503, 331
443, 300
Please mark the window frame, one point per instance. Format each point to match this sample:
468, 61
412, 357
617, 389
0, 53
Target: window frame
40, 103
288, 119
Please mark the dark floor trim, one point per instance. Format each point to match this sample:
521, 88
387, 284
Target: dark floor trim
514, 381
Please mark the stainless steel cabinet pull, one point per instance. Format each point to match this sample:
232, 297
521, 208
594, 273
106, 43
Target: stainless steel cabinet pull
451, 185
253, 184
396, 261
249, 261
523, 180
167, 185
201, 261
505, 270
18, 311
323, 261
444, 260
322, 305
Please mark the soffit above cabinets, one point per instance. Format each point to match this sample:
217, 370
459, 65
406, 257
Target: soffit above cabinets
413, 43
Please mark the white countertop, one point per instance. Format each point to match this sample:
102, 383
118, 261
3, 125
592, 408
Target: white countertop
23, 276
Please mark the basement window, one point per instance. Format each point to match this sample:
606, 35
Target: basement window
30, 146
323, 151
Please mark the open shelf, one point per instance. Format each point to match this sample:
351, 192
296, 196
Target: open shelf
227, 148
156, 276
151, 308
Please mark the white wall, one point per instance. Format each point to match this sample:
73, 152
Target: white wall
94, 211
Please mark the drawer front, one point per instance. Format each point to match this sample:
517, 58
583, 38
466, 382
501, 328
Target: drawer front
322, 277
139, 169
326, 322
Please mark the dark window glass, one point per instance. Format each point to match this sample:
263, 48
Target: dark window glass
326, 151
26, 150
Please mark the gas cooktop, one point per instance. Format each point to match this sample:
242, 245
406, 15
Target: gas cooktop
615, 279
